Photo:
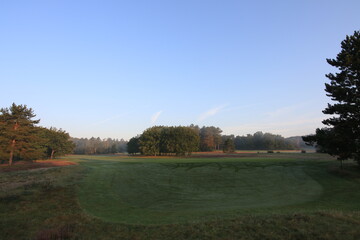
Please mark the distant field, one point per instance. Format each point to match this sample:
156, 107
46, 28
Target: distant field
207, 196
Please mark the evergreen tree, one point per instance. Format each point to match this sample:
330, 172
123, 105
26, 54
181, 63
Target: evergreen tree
19, 136
343, 132
229, 146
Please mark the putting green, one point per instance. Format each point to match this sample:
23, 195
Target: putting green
155, 193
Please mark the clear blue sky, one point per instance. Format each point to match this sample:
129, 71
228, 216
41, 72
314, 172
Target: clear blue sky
114, 68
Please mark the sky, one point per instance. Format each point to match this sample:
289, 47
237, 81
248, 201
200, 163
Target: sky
114, 68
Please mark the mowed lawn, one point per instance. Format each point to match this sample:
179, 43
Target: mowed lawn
173, 190
239, 196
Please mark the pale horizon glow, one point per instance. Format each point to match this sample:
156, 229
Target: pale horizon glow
114, 68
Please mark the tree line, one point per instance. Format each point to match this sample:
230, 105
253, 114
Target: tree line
163, 140
99, 146
262, 141
22, 139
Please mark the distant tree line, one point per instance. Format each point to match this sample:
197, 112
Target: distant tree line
263, 141
99, 146
22, 139
161, 140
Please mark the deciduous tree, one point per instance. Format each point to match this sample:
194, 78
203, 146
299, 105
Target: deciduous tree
150, 141
160, 140
57, 142
133, 146
210, 138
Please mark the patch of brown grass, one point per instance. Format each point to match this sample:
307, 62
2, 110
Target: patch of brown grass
22, 165
223, 155
61, 232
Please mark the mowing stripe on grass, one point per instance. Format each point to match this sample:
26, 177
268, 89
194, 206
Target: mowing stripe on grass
170, 192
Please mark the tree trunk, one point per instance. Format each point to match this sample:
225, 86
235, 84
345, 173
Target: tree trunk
13, 142
52, 154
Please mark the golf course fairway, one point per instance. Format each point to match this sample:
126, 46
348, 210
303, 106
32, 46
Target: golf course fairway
173, 190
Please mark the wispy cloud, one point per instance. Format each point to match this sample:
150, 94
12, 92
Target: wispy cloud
101, 122
155, 117
240, 107
210, 112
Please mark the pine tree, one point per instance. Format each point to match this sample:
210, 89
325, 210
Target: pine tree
18, 133
343, 132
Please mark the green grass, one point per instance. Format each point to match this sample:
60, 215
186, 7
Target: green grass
153, 193
174, 190
262, 196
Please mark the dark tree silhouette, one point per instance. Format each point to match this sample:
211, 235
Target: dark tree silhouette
342, 136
